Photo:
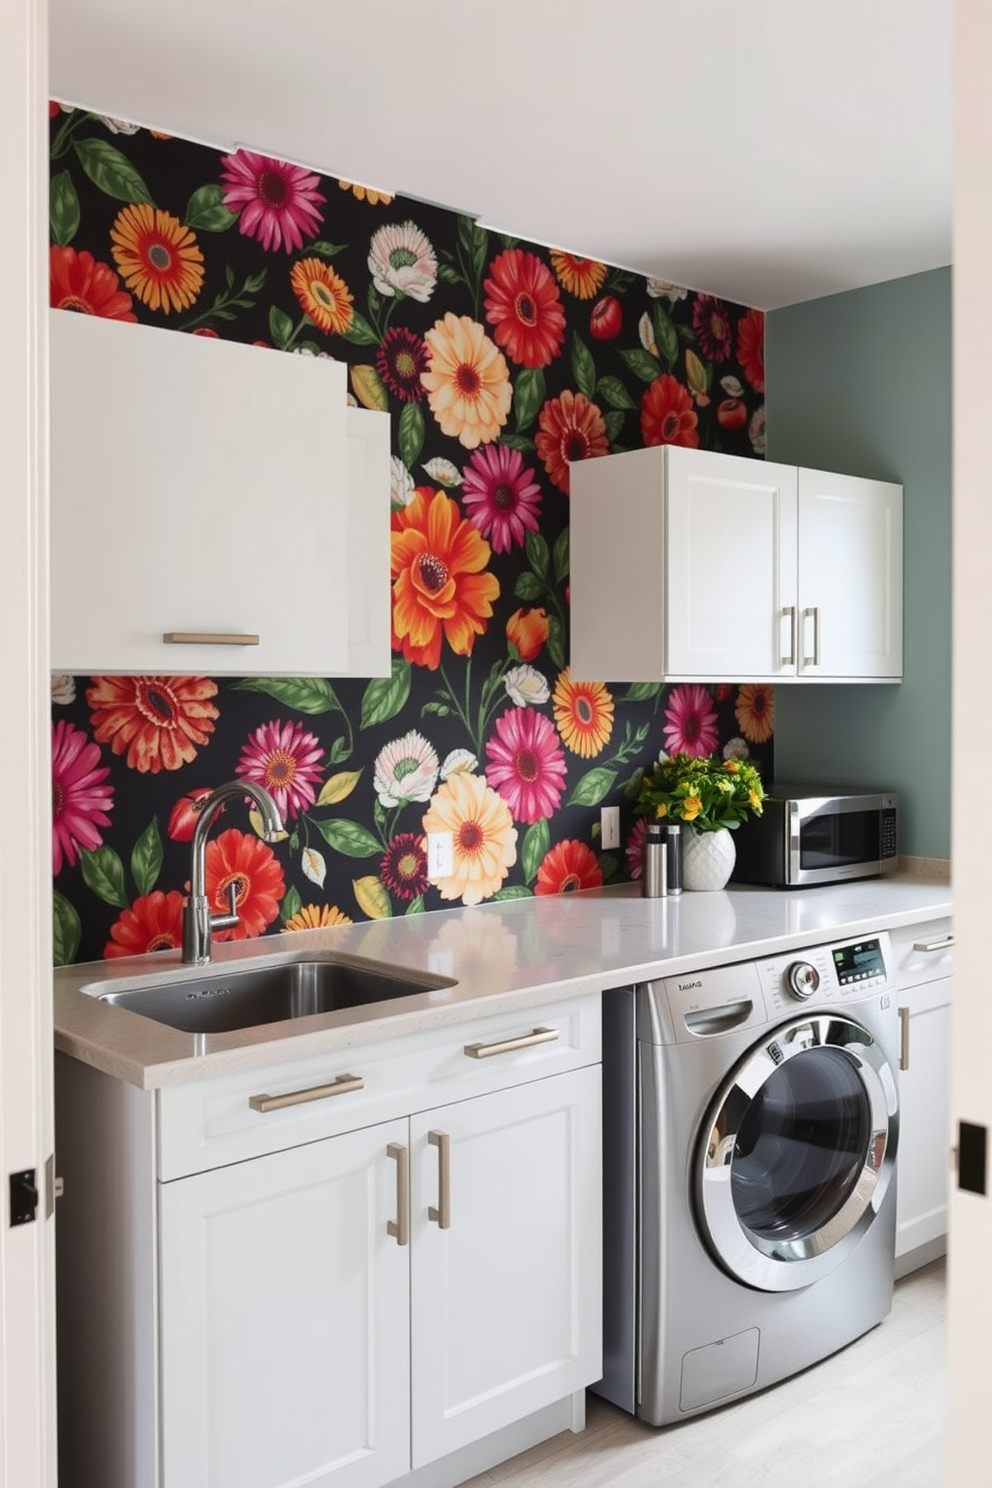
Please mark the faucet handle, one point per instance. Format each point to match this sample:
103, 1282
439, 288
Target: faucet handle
232, 918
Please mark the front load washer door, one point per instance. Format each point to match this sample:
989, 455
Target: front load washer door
797, 1152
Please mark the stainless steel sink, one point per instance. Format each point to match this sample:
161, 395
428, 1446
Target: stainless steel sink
227, 1000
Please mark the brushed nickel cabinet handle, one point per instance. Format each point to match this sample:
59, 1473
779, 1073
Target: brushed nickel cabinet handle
442, 1214
343, 1085
399, 1227
904, 1038
507, 1046
943, 944
209, 638
790, 660
813, 660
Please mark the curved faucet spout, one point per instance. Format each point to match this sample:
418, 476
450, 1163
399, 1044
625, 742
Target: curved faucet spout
198, 922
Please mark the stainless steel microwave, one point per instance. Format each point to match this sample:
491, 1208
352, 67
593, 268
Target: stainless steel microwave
816, 835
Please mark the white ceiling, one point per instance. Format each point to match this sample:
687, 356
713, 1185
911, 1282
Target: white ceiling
765, 150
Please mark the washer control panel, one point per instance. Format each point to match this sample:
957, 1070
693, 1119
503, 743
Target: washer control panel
841, 972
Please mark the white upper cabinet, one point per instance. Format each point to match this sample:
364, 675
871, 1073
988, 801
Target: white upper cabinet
215, 508
690, 565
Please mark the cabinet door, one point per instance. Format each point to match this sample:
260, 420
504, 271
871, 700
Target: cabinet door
284, 1320
731, 567
367, 568
198, 486
924, 1123
850, 577
506, 1309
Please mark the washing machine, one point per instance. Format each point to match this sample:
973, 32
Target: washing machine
751, 1121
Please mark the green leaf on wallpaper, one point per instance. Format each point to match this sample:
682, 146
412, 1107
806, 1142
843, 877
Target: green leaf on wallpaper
560, 556
340, 751
411, 433
518, 442
63, 209
665, 334
280, 327
642, 364
537, 840
505, 241
528, 586
103, 872
556, 641
326, 250
416, 906
583, 367
66, 930
538, 555
632, 788
146, 858
528, 395
206, 212
612, 391
609, 866
386, 696
449, 274
614, 425
513, 891
641, 692
111, 171
291, 904
253, 282
348, 837
360, 333
306, 694
474, 243
441, 710
593, 787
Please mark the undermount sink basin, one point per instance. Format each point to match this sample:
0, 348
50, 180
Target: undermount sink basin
225, 1000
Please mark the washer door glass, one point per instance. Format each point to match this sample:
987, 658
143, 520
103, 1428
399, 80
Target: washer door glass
798, 1153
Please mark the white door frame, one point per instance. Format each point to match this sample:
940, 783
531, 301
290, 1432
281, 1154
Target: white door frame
27, 1252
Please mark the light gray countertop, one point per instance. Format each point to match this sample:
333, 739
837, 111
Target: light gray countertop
499, 956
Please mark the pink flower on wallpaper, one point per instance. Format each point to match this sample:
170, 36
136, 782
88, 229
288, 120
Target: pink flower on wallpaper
635, 848
80, 797
287, 760
691, 725
502, 500
527, 768
278, 202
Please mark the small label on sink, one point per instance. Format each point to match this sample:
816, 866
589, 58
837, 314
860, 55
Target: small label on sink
208, 992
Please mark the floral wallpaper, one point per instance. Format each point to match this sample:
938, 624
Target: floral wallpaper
498, 361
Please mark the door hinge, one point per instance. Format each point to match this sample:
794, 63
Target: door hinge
23, 1197
54, 1186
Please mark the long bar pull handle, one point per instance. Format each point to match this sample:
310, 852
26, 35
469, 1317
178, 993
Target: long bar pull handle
209, 638
904, 1038
343, 1085
442, 1214
507, 1046
790, 660
943, 944
813, 660
399, 1227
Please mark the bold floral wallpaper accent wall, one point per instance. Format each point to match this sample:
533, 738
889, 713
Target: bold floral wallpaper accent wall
498, 361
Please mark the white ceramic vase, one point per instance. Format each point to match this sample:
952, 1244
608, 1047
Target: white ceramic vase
708, 858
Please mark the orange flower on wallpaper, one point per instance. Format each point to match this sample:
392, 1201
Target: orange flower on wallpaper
323, 295
157, 722
158, 258
467, 382
755, 712
583, 714
751, 348
316, 916
153, 923
568, 866
484, 839
582, 277
439, 587
238, 858
569, 428
528, 630
667, 414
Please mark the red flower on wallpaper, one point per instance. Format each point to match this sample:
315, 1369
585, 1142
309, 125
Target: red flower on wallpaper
399, 362
667, 414
439, 587
156, 722
569, 866
404, 866
153, 923
186, 812
235, 857
279, 203
569, 428
711, 322
524, 307
526, 766
527, 631
78, 281
81, 798
751, 348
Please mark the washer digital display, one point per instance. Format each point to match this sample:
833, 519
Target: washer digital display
858, 962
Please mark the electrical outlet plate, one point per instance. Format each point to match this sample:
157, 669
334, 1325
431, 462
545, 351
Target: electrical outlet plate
609, 826
440, 856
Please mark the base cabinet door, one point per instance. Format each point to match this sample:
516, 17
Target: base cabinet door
284, 1310
924, 1129
506, 1257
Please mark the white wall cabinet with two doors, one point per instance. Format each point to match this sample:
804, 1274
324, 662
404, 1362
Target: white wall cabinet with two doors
691, 565
335, 1291
216, 508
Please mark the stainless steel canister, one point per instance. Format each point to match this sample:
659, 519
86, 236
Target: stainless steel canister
654, 881
671, 836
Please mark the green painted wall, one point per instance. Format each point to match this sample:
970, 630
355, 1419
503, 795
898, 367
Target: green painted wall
861, 383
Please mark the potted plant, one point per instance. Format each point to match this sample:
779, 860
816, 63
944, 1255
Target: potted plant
709, 797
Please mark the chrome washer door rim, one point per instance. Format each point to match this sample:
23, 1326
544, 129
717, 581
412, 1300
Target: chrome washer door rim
786, 1264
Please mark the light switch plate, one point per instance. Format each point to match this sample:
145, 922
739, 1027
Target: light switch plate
440, 857
609, 826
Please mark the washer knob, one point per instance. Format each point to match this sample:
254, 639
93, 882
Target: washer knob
802, 979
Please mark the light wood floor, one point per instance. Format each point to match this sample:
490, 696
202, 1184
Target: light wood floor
872, 1416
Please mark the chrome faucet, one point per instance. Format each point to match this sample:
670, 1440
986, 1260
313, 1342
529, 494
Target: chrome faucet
198, 923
